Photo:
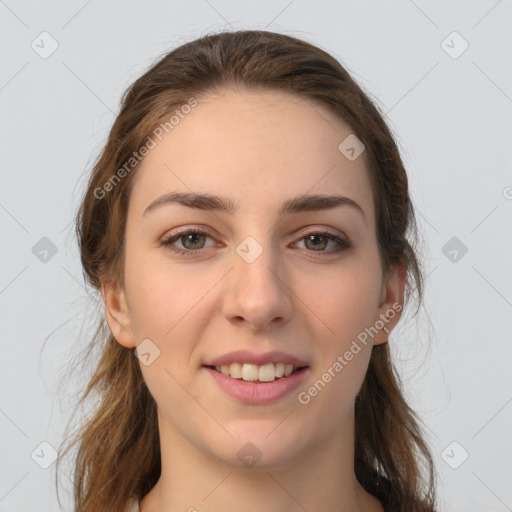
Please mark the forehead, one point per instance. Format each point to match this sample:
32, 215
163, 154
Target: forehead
257, 147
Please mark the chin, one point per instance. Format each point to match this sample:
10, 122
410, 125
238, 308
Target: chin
257, 448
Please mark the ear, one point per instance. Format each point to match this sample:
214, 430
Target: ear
391, 302
116, 311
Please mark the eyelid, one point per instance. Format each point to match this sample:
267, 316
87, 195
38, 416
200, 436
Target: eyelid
183, 230
178, 232
320, 230
202, 229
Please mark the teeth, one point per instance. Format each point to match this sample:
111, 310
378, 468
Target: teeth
250, 372
267, 373
253, 372
235, 370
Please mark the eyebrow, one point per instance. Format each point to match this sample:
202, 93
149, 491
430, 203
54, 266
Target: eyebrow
209, 202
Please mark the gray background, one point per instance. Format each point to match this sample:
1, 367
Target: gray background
451, 113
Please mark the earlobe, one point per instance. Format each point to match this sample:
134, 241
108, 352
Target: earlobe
391, 305
117, 314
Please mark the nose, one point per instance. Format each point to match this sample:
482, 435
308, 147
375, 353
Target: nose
257, 293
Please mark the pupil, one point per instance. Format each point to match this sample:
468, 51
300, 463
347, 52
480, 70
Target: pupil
190, 238
317, 244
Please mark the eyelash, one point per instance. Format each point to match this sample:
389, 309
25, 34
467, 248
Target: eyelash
168, 241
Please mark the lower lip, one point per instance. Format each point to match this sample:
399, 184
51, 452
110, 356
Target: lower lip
258, 393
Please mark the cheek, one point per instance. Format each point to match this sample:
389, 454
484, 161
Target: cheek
165, 305
347, 301
347, 307
161, 296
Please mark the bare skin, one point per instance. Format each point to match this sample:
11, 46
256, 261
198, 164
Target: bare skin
299, 296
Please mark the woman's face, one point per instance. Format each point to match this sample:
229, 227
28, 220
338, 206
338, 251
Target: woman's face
271, 279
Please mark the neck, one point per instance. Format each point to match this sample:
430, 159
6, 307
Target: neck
321, 480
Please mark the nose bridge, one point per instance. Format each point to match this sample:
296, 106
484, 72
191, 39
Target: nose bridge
257, 292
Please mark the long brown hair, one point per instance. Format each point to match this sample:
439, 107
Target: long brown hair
118, 450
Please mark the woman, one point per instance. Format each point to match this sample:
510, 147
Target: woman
246, 225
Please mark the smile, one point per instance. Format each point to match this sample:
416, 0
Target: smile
256, 373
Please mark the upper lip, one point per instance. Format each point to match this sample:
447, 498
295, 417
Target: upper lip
244, 356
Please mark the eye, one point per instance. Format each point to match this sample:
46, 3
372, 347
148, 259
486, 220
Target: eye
192, 240
317, 241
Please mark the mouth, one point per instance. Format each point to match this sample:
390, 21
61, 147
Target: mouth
255, 373
258, 379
